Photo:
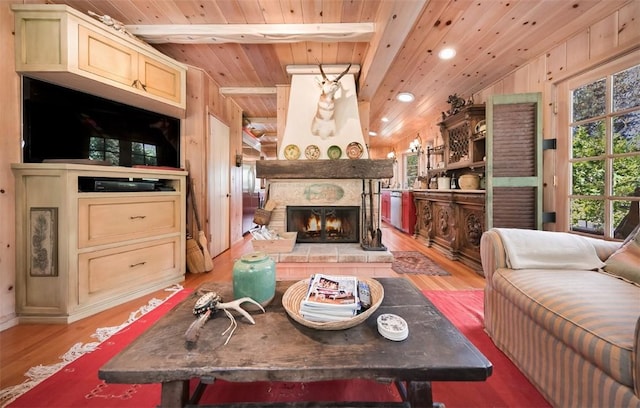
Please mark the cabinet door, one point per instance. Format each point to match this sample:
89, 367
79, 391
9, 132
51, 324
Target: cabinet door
106, 58
408, 212
386, 206
159, 79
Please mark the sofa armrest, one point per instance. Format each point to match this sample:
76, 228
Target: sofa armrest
492, 254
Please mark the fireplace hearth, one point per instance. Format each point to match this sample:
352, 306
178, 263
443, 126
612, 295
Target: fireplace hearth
324, 224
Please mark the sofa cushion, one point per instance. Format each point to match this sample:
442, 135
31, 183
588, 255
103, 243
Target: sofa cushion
625, 262
528, 249
591, 312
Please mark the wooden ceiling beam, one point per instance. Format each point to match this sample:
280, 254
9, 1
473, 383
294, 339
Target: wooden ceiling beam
252, 33
263, 121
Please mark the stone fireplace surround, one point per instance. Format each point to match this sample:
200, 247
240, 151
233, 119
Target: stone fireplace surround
324, 183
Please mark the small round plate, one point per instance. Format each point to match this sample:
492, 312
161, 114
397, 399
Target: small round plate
312, 152
354, 150
291, 152
334, 152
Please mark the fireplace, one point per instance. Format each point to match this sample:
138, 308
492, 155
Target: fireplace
324, 224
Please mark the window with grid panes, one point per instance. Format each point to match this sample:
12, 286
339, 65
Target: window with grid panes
411, 164
605, 154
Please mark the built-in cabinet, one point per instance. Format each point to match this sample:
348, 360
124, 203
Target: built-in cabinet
58, 44
452, 221
81, 251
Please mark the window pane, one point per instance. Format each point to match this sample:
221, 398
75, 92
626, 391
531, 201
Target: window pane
150, 150
588, 177
589, 100
588, 140
412, 169
626, 133
626, 93
113, 158
626, 175
96, 143
137, 159
625, 217
112, 145
137, 148
96, 155
587, 216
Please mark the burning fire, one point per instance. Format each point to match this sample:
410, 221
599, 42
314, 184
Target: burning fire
314, 223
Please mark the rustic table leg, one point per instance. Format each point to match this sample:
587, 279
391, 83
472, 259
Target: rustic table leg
419, 394
174, 394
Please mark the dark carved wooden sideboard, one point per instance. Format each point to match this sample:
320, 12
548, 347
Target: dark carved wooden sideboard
452, 221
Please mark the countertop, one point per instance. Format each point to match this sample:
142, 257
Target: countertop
435, 190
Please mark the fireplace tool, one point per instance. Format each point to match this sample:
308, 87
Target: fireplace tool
371, 235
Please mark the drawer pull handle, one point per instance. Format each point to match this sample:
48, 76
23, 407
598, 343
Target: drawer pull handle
137, 264
133, 217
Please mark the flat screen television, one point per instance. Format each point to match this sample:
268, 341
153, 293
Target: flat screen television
63, 124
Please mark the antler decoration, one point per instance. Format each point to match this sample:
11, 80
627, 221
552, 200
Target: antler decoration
324, 125
207, 305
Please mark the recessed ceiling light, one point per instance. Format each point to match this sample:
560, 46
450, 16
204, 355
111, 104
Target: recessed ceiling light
372, 133
447, 53
405, 97
385, 119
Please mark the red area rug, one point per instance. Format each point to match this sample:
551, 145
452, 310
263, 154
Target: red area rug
416, 263
507, 386
77, 384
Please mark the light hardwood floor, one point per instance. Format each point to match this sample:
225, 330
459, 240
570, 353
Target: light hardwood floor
28, 345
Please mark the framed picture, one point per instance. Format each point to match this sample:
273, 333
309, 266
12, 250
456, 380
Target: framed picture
43, 241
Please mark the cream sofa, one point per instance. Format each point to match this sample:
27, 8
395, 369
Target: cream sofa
574, 332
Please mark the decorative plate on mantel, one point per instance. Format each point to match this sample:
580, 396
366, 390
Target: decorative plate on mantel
312, 152
354, 150
291, 152
334, 152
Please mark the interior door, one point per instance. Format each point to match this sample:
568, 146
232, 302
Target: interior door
514, 161
219, 186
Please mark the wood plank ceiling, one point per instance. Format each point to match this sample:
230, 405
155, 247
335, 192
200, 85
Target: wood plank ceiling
492, 38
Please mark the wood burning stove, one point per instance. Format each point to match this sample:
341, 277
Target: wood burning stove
324, 224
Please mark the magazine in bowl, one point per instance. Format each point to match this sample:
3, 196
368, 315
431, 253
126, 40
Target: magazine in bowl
299, 292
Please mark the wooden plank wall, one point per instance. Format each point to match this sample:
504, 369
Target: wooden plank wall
9, 153
611, 37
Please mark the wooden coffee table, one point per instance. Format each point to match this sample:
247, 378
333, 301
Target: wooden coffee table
277, 348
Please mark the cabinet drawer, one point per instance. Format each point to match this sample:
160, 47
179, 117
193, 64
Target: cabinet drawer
109, 220
102, 274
